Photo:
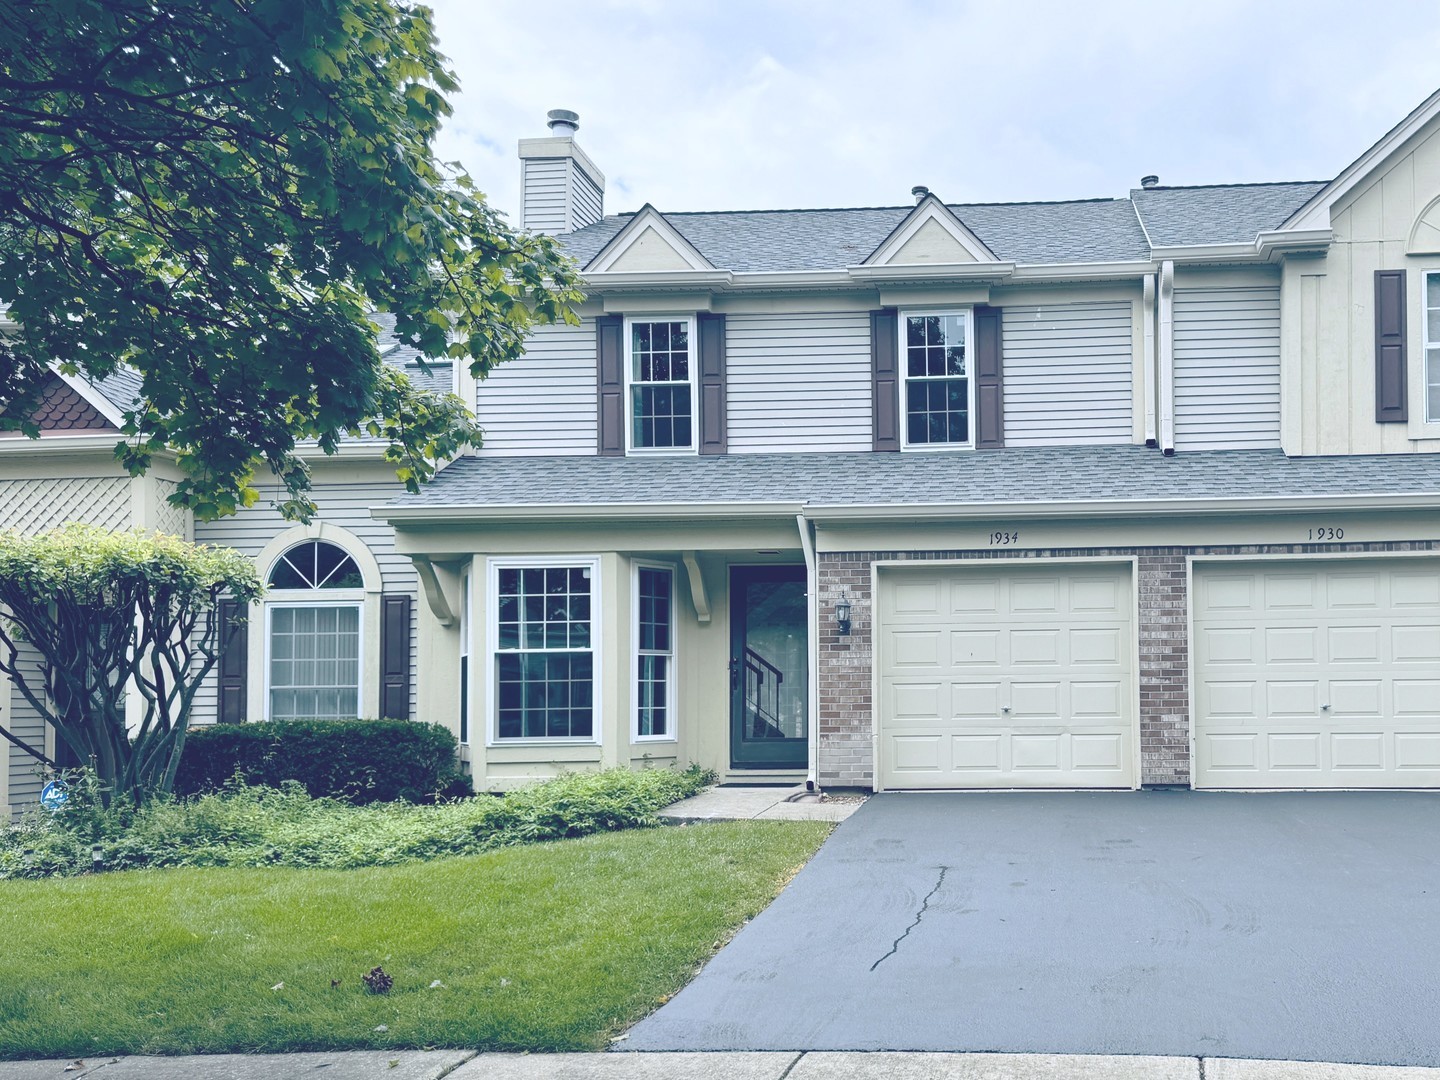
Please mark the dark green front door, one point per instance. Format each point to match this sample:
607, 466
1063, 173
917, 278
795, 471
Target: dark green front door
769, 668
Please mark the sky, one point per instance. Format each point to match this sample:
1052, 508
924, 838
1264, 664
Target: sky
734, 104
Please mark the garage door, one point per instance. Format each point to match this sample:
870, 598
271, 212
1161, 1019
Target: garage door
1317, 674
1006, 677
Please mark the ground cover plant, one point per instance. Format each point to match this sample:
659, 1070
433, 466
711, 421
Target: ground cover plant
554, 946
246, 826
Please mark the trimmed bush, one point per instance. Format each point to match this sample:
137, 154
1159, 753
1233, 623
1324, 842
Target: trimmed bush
261, 826
360, 761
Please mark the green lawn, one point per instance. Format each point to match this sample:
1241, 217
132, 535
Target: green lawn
547, 947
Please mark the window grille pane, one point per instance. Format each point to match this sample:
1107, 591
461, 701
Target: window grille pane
314, 663
541, 691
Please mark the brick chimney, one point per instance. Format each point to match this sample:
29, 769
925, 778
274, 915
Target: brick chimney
560, 187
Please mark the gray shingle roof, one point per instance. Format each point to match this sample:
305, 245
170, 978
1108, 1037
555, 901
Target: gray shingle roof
1095, 230
1011, 475
121, 388
1225, 213
1091, 230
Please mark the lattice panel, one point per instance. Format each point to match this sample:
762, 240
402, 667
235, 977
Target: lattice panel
33, 506
169, 519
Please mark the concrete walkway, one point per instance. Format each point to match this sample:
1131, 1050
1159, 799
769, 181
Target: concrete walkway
732, 802
465, 1065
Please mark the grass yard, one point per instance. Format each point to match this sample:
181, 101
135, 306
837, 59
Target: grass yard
546, 947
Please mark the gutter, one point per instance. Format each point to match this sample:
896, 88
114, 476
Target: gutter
1166, 352
525, 512
1151, 368
812, 652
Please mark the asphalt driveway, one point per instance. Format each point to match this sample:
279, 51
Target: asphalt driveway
1302, 926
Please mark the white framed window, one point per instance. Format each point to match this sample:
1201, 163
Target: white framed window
1432, 347
660, 371
313, 634
936, 387
543, 663
653, 652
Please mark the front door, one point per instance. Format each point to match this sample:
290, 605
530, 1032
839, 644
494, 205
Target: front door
769, 668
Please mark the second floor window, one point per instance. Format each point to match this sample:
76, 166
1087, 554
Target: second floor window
936, 372
1432, 348
661, 374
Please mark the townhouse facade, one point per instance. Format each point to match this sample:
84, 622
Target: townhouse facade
1106, 493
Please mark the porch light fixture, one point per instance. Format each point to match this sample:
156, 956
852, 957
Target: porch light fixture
842, 614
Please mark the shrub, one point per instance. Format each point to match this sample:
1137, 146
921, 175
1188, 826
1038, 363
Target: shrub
360, 761
242, 825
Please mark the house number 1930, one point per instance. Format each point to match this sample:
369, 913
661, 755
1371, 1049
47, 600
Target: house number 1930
1327, 532
1001, 539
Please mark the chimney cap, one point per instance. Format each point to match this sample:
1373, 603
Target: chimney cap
919, 191
563, 121
1150, 181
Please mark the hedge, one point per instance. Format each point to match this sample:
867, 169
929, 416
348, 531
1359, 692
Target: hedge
361, 761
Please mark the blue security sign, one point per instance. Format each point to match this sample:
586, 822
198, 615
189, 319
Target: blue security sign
54, 795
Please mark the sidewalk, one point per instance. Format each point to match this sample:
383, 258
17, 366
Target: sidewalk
465, 1065
734, 802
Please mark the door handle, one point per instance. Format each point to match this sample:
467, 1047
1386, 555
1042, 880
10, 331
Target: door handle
734, 672
1006, 708
1324, 708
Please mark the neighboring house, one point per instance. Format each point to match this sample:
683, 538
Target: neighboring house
1105, 493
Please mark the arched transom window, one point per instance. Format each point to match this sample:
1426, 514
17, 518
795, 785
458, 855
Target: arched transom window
314, 619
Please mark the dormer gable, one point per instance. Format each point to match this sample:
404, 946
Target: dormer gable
648, 243
931, 234
71, 406
1421, 127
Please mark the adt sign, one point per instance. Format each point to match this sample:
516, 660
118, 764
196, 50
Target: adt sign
54, 795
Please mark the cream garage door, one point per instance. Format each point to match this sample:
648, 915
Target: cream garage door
1317, 674
1006, 677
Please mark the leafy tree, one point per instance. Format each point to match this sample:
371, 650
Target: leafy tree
216, 193
86, 612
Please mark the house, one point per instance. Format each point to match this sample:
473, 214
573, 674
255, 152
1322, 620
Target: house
1090, 494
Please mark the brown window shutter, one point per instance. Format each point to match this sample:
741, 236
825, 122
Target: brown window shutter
1390, 374
610, 363
234, 663
989, 387
395, 656
711, 331
885, 377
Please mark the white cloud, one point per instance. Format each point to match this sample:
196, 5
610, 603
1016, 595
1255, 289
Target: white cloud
715, 105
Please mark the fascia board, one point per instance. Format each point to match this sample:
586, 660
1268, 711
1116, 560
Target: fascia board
1294, 242
1315, 213
559, 512
62, 445
1096, 271
927, 273
656, 280
1245, 251
1111, 508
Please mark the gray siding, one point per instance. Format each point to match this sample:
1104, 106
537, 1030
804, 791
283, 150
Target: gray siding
345, 505
1227, 368
542, 195
27, 724
1068, 374
588, 201
545, 402
798, 381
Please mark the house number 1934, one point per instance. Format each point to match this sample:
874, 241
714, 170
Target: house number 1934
1002, 539
1327, 532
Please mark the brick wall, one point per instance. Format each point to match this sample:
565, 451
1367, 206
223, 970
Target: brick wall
846, 724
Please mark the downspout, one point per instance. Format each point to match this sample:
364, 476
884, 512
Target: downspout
1167, 357
812, 651
1147, 308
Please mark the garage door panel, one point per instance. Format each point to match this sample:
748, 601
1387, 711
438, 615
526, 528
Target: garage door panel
915, 598
1037, 689
1031, 647
1357, 750
1101, 645
916, 648
1415, 644
1348, 671
1354, 644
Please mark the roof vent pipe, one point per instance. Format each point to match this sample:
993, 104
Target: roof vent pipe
563, 122
919, 191
1146, 182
